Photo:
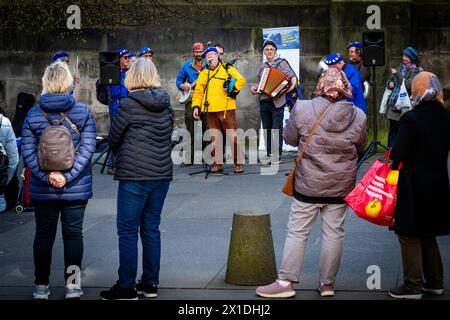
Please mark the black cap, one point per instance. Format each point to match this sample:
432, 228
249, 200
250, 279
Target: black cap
267, 42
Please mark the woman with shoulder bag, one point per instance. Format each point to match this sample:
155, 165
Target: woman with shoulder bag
328, 132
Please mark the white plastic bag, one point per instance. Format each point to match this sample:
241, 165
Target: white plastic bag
403, 101
384, 101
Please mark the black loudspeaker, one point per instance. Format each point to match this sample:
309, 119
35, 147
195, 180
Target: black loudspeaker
110, 68
373, 46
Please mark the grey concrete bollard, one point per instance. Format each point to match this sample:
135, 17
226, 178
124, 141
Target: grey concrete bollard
251, 255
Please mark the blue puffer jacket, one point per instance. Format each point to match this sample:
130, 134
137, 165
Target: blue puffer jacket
79, 178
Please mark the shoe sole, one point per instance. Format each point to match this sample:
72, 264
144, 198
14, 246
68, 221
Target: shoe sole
74, 296
406, 296
129, 299
147, 295
41, 297
327, 293
437, 292
287, 294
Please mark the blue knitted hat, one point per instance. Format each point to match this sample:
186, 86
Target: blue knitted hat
333, 59
411, 53
60, 55
123, 52
145, 50
355, 44
132, 54
208, 50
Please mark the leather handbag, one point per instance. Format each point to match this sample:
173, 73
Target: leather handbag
289, 185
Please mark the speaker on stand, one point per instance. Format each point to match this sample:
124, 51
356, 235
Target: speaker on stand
109, 76
374, 56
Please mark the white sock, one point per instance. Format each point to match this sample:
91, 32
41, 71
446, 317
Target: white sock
283, 283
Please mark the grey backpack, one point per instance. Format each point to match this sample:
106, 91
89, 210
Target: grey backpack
55, 150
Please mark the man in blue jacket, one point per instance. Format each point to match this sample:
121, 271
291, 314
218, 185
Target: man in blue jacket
335, 60
120, 91
186, 79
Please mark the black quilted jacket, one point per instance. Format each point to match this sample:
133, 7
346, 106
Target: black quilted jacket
140, 136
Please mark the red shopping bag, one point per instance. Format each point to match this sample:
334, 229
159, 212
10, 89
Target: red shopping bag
374, 198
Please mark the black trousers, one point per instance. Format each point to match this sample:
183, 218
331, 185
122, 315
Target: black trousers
272, 118
47, 215
421, 259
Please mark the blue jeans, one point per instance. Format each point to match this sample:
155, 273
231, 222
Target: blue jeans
139, 206
2, 203
47, 214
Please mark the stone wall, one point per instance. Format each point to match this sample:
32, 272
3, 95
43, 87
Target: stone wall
325, 26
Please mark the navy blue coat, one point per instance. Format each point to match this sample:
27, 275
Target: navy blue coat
79, 178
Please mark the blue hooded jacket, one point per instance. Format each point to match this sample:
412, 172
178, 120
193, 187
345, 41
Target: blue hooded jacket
357, 90
79, 178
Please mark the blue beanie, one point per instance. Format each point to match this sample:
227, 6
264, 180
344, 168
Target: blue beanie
145, 50
411, 53
60, 55
333, 59
355, 44
132, 54
123, 52
208, 50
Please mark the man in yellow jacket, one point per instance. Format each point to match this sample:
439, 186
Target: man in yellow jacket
215, 93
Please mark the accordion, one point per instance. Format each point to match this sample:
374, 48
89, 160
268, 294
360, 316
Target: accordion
272, 82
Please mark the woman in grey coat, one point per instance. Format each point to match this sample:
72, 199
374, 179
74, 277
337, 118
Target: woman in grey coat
325, 175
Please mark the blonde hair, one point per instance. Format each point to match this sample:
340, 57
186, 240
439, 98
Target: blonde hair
57, 78
141, 75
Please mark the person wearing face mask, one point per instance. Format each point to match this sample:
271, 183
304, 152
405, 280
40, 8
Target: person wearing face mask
406, 70
222, 86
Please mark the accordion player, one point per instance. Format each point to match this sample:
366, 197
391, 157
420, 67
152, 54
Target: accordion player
273, 82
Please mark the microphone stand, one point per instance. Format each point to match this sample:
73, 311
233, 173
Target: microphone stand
207, 169
372, 148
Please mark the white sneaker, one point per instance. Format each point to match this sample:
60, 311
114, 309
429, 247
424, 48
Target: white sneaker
73, 292
41, 292
265, 160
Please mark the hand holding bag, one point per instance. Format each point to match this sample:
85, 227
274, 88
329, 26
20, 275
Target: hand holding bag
375, 196
403, 101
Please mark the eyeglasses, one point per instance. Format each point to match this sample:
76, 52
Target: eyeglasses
221, 53
269, 49
125, 57
147, 55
